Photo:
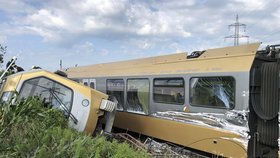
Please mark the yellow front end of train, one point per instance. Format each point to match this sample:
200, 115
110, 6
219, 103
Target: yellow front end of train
82, 105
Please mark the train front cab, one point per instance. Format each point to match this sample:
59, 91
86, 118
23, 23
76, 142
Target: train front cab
82, 105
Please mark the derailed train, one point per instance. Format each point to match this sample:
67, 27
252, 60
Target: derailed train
219, 80
82, 105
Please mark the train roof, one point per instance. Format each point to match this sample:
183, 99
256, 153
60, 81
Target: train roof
227, 59
26, 75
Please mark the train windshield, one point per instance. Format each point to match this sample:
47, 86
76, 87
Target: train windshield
52, 93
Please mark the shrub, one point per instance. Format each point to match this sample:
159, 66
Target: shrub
31, 130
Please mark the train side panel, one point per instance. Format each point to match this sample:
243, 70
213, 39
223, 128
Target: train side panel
240, 90
222, 143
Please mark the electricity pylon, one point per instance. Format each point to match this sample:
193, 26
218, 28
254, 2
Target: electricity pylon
237, 35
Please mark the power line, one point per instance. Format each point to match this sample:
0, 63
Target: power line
236, 34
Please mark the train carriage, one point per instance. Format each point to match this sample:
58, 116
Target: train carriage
211, 81
215, 81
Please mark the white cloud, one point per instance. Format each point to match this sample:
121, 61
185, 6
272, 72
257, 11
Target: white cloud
137, 27
145, 30
3, 39
84, 48
144, 44
253, 4
276, 19
104, 52
46, 18
16, 6
91, 23
47, 34
177, 48
103, 7
114, 18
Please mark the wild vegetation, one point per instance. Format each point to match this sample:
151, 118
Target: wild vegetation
3, 50
28, 129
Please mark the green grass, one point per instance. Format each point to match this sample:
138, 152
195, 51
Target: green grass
31, 130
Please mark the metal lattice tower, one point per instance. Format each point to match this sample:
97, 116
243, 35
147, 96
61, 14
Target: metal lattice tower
237, 35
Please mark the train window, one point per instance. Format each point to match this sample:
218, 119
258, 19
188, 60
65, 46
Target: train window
92, 85
115, 87
7, 96
53, 93
138, 95
212, 91
169, 90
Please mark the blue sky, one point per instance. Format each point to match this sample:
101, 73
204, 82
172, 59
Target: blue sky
98, 31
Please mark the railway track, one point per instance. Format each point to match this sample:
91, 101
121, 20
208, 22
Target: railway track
157, 149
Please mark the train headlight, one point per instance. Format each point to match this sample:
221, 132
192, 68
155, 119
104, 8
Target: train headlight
85, 102
108, 105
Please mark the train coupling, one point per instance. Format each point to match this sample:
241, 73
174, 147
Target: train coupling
108, 105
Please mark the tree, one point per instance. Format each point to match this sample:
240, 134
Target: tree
3, 50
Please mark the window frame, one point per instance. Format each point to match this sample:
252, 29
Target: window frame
85, 84
184, 90
11, 94
2, 84
72, 96
124, 101
209, 106
90, 85
126, 90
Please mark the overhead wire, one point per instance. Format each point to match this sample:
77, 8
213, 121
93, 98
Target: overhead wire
267, 4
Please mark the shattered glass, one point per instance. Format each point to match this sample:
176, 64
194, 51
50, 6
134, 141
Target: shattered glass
233, 121
212, 91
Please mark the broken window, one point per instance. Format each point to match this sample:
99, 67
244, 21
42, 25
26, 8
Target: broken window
213, 92
52, 93
138, 95
115, 87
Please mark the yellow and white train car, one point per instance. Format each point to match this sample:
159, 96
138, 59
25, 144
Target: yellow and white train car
211, 81
216, 81
82, 105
